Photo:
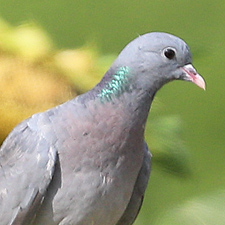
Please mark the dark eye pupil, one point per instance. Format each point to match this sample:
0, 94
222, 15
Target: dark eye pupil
169, 53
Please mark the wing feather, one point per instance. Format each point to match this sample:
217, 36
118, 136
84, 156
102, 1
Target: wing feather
27, 161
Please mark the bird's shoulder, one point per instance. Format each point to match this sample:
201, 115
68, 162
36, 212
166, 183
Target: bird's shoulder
27, 162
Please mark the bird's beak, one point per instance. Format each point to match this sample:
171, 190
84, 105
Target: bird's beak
192, 75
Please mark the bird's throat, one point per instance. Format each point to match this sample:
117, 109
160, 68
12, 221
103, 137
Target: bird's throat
116, 89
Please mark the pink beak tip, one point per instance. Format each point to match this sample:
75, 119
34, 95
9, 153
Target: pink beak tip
193, 76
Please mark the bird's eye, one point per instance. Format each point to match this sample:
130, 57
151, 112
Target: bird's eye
169, 53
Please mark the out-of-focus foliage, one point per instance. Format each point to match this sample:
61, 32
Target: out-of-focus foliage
169, 151
27, 88
27, 41
84, 66
206, 209
29, 82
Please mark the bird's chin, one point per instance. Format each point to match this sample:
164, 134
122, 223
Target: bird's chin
190, 74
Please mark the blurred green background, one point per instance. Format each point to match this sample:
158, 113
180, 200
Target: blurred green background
193, 192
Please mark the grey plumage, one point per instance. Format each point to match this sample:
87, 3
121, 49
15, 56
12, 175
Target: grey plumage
86, 162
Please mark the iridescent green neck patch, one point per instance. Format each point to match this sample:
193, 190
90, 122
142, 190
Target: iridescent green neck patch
117, 86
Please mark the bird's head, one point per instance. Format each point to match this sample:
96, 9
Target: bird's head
157, 58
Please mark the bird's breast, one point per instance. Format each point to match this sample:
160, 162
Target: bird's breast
99, 157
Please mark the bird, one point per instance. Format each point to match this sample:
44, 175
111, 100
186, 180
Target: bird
86, 161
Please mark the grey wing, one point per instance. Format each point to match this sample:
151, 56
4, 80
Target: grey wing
136, 200
27, 163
